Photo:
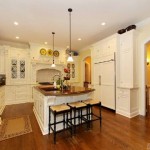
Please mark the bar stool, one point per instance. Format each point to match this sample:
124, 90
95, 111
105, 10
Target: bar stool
90, 103
78, 108
63, 110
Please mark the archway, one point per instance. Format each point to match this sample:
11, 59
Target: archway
87, 71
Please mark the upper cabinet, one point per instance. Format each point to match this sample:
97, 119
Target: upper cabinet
126, 65
2, 60
104, 49
17, 66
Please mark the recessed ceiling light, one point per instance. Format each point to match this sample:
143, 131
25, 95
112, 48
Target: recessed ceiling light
17, 37
103, 23
79, 39
45, 42
16, 23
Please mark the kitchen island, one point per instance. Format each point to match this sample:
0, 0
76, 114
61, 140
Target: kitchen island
45, 96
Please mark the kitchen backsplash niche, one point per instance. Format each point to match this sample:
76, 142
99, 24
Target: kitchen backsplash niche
46, 75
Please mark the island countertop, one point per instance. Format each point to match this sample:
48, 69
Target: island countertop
73, 90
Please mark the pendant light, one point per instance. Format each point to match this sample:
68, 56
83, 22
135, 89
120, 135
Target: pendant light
70, 59
53, 64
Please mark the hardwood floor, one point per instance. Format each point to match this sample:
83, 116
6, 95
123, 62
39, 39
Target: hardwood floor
117, 133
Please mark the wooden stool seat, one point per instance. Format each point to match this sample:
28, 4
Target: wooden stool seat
59, 108
77, 104
91, 101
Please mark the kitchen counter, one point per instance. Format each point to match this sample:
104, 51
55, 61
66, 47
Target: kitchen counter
49, 90
46, 95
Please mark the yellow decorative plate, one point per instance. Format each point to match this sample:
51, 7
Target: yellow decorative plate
50, 52
43, 51
56, 53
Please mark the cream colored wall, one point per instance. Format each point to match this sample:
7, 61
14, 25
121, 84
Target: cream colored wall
143, 37
83, 54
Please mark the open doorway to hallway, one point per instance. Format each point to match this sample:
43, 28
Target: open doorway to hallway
147, 79
87, 63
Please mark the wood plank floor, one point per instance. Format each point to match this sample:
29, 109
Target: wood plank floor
117, 133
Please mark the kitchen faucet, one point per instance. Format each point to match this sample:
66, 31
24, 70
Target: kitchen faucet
60, 80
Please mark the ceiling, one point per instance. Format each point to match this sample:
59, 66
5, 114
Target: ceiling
39, 18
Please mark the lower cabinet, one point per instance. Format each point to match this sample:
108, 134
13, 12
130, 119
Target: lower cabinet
127, 103
2, 99
39, 104
16, 94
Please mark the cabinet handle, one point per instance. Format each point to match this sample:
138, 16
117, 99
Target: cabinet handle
99, 79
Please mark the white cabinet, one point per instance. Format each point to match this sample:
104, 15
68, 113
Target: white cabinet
2, 98
127, 54
2, 60
17, 66
17, 94
104, 71
39, 104
104, 49
127, 102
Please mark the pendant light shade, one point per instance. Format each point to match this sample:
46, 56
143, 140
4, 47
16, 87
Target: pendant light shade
53, 64
70, 59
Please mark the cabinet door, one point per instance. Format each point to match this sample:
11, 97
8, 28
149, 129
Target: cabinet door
97, 92
2, 97
2, 61
107, 85
127, 54
97, 74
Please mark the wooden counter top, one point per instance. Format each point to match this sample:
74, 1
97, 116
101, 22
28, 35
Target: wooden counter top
73, 90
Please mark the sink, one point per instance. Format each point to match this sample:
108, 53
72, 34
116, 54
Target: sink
49, 89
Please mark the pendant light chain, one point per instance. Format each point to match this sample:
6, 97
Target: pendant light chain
70, 10
70, 59
53, 64
53, 46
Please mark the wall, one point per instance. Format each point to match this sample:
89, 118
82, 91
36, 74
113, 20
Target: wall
88, 69
143, 37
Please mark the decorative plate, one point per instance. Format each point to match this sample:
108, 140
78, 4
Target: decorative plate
50, 52
43, 51
56, 53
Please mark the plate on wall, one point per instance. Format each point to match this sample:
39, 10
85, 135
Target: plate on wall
56, 53
43, 51
50, 52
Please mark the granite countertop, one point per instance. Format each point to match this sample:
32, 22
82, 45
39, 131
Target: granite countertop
73, 90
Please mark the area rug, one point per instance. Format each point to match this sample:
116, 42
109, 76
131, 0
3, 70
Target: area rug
12, 127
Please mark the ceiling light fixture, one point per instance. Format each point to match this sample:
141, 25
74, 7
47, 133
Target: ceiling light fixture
79, 39
53, 64
16, 23
17, 37
103, 23
45, 43
70, 59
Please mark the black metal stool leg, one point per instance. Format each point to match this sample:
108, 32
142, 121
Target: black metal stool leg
100, 114
74, 120
49, 125
55, 127
63, 120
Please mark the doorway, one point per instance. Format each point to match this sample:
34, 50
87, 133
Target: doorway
147, 79
87, 64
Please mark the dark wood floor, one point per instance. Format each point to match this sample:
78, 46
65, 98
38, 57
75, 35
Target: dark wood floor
117, 133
